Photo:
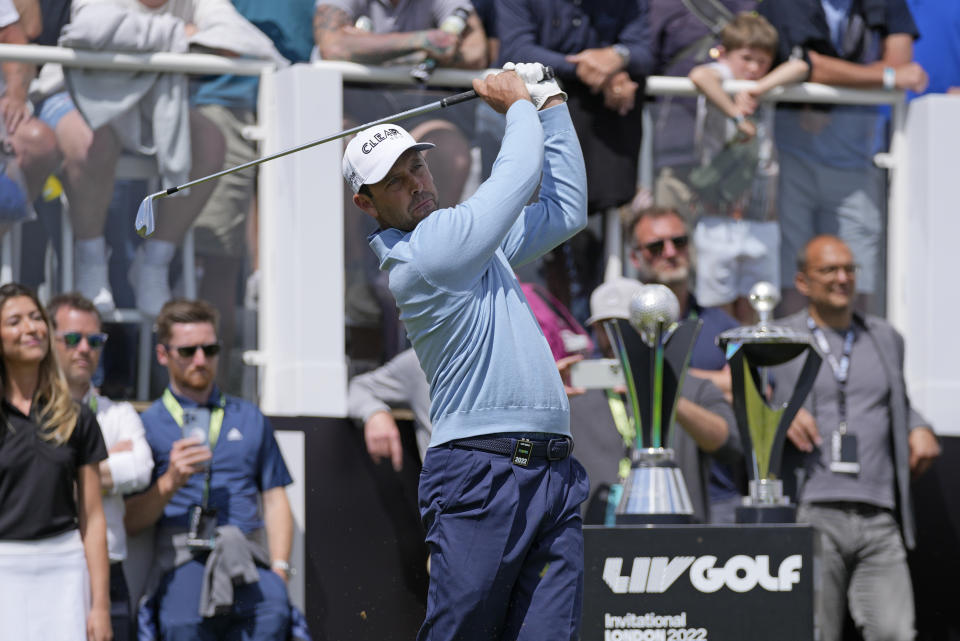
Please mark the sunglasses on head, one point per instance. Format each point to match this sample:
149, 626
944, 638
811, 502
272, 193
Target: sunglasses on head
187, 351
72, 339
656, 247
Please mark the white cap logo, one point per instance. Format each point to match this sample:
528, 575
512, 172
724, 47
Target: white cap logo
373, 151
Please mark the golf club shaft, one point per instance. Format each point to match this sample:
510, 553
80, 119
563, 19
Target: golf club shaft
403, 115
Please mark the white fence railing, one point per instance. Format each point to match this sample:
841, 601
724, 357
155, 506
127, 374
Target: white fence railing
290, 244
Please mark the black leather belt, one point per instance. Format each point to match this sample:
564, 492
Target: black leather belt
520, 449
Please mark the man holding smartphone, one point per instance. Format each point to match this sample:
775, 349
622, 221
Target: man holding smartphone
215, 460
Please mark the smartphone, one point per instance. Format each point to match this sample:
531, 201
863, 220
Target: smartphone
600, 373
196, 423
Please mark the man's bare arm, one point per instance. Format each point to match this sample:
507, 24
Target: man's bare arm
338, 39
708, 429
278, 522
30, 18
897, 54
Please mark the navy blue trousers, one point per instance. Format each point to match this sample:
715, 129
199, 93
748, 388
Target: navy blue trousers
506, 546
261, 610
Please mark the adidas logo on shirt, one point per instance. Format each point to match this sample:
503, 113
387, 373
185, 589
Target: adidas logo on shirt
234, 435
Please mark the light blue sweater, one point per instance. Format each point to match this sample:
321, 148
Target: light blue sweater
489, 366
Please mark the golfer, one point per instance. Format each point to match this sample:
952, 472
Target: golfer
499, 491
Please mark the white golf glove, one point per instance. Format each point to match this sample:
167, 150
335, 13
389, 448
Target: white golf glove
533, 75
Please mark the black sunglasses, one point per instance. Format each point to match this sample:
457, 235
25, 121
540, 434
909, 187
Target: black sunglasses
656, 247
72, 339
187, 351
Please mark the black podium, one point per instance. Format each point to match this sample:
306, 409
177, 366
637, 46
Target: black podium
698, 583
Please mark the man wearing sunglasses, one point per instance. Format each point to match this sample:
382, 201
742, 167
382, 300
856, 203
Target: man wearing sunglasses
216, 460
661, 254
79, 342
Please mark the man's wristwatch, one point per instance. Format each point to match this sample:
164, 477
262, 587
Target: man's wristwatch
623, 52
889, 78
283, 566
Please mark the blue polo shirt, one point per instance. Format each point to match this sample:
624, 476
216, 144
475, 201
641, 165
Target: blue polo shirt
246, 462
706, 354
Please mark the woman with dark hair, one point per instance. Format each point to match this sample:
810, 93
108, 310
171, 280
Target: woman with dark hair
53, 542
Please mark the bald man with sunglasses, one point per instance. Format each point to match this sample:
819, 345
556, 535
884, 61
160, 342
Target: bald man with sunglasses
79, 341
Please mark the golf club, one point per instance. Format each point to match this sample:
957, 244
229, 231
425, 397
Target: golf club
145, 216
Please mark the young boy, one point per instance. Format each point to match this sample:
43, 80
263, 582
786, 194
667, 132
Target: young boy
737, 237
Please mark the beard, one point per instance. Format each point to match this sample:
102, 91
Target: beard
669, 276
196, 379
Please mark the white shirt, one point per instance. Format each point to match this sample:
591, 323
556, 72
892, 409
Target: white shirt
8, 13
130, 469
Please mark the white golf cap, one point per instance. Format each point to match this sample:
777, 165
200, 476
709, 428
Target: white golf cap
612, 299
372, 152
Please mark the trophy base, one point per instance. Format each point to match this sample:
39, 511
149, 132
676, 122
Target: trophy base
746, 514
766, 504
655, 491
653, 519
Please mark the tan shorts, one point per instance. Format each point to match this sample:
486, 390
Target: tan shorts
221, 228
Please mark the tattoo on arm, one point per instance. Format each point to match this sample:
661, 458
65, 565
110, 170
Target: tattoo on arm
337, 41
327, 19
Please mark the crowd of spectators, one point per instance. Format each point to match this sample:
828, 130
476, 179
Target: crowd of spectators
80, 472
740, 187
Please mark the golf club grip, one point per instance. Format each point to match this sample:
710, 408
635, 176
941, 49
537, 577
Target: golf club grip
458, 98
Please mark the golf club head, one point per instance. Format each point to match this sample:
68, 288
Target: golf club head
145, 224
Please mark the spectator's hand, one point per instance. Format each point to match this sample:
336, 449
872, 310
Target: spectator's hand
594, 66
98, 625
924, 448
187, 457
440, 45
564, 366
14, 110
746, 102
382, 437
125, 445
746, 129
500, 90
190, 29
803, 432
911, 77
619, 93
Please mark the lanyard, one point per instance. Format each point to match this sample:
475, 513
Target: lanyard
92, 403
216, 415
216, 422
841, 367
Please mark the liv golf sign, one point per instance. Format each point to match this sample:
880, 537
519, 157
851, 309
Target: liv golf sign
691, 582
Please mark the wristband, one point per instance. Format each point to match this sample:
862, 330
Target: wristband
283, 566
889, 78
623, 52
739, 119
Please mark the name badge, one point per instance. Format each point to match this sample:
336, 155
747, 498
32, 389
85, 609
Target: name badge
522, 453
844, 454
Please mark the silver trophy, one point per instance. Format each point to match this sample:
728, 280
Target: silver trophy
655, 357
750, 351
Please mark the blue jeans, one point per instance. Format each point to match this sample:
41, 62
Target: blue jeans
863, 562
506, 546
